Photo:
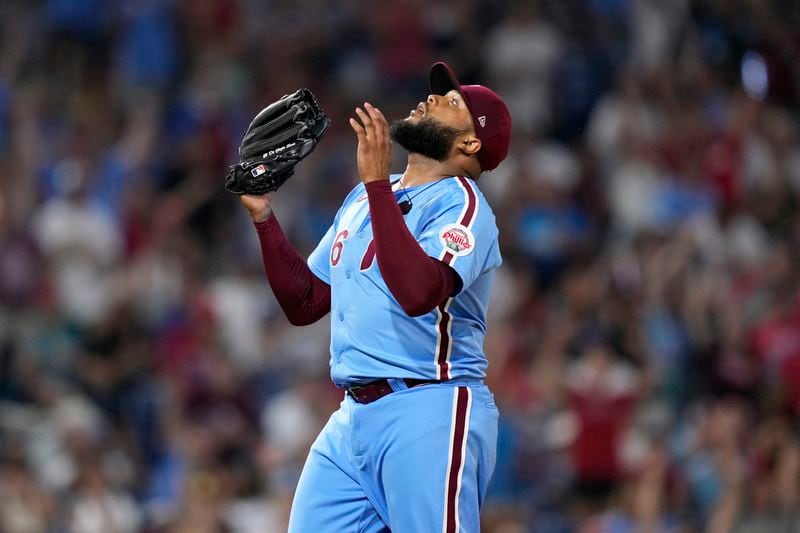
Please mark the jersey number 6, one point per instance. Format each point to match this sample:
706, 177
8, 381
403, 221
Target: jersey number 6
338, 245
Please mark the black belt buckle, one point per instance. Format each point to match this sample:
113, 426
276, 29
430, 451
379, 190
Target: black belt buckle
353, 390
375, 390
369, 392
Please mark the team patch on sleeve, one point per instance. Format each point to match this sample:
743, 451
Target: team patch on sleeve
457, 239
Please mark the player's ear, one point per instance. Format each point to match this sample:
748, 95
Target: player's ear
469, 145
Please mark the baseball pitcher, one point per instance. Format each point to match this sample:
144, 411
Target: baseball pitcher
405, 271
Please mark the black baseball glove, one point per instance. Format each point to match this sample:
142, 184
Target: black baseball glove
278, 138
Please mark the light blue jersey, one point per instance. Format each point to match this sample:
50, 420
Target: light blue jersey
420, 458
371, 336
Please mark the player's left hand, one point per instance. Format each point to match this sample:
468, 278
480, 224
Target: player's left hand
374, 143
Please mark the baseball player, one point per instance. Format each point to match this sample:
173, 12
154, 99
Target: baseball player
405, 271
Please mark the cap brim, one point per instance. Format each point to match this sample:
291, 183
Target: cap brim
442, 79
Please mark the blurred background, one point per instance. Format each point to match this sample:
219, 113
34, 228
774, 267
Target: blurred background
644, 335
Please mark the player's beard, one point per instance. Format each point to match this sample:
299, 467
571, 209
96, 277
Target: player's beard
428, 137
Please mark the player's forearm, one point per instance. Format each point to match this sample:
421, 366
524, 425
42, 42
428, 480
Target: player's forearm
417, 281
303, 297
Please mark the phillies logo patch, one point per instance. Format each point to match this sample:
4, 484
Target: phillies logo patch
260, 169
457, 239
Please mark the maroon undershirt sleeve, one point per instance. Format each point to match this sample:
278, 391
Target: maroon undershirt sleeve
418, 281
303, 297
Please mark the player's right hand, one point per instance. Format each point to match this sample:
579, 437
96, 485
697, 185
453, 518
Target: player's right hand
259, 207
374, 144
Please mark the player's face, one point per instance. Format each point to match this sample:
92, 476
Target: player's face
426, 136
449, 109
434, 127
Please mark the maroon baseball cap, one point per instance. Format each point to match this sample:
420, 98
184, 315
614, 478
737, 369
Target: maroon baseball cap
490, 115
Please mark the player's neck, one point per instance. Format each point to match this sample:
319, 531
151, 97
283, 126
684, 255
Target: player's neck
421, 170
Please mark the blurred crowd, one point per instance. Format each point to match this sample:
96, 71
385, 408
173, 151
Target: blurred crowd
644, 334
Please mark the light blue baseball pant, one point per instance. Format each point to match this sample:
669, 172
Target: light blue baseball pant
416, 460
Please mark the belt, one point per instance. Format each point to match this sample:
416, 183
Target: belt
375, 390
